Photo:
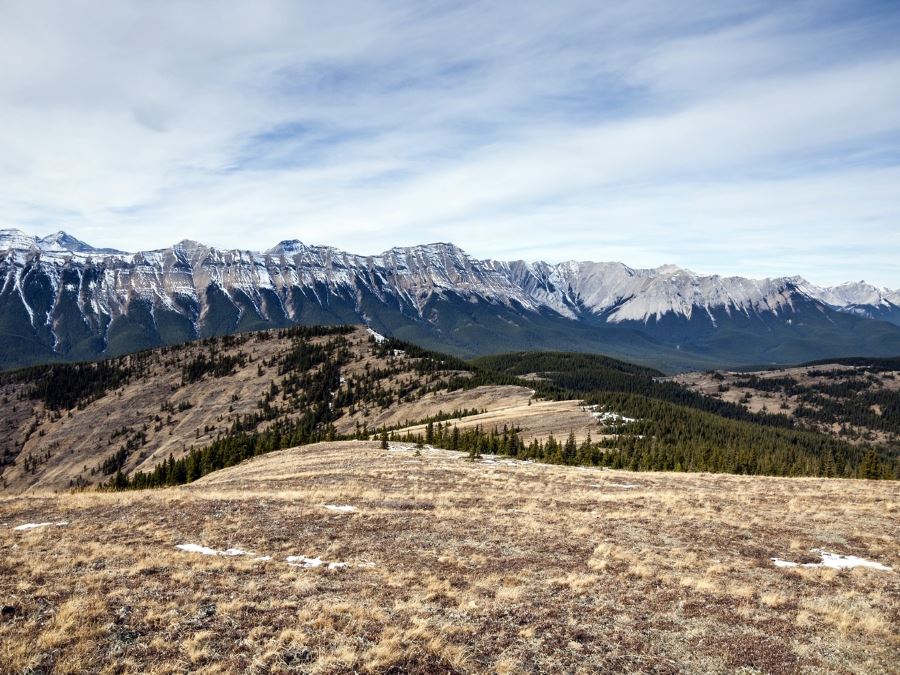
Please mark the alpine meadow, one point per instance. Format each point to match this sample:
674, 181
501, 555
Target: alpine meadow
449, 338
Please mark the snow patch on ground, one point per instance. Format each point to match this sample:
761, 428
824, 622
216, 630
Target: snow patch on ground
608, 417
292, 560
378, 336
204, 550
498, 461
306, 563
834, 561
411, 447
303, 561
778, 562
33, 526
341, 508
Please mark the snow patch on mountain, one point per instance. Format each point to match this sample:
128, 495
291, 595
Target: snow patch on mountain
292, 273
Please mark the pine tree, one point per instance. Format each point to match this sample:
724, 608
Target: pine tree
570, 449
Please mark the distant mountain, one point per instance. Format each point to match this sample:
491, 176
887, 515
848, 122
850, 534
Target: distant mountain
64, 299
861, 299
59, 242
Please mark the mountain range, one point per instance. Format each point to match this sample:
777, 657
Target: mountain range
62, 299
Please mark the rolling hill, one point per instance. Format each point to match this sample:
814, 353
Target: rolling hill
173, 414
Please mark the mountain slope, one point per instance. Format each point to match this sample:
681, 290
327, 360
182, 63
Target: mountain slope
173, 414
62, 299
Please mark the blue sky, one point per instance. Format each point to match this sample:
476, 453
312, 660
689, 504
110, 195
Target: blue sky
760, 139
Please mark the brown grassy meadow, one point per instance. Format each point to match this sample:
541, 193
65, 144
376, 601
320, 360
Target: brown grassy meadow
451, 566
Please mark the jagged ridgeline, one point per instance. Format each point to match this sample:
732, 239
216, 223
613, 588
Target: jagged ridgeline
64, 300
171, 415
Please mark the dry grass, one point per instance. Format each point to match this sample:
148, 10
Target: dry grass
756, 400
73, 444
477, 568
512, 407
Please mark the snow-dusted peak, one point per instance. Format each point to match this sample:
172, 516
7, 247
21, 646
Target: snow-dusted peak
57, 243
861, 293
189, 247
672, 270
63, 242
287, 247
852, 294
16, 240
438, 254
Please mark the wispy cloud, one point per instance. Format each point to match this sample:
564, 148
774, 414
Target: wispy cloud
754, 139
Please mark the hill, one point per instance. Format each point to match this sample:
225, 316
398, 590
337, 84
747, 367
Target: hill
857, 400
174, 414
343, 557
77, 425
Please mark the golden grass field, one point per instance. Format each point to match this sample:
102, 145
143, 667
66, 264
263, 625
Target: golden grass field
451, 566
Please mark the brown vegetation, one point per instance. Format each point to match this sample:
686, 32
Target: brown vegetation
452, 566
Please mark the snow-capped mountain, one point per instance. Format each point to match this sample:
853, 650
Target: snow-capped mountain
59, 242
860, 298
62, 298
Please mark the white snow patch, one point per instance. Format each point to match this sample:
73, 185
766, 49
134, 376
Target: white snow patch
834, 561
307, 563
411, 447
204, 550
303, 561
778, 562
498, 461
608, 417
340, 508
378, 336
624, 486
33, 526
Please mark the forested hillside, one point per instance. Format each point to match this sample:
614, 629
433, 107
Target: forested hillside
856, 400
677, 428
174, 414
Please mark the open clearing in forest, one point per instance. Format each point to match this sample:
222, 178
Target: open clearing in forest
539, 419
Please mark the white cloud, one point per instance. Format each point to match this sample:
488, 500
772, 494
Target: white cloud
757, 140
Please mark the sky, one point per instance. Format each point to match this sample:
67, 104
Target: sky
754, 138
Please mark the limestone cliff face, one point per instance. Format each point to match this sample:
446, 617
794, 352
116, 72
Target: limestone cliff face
61, 297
